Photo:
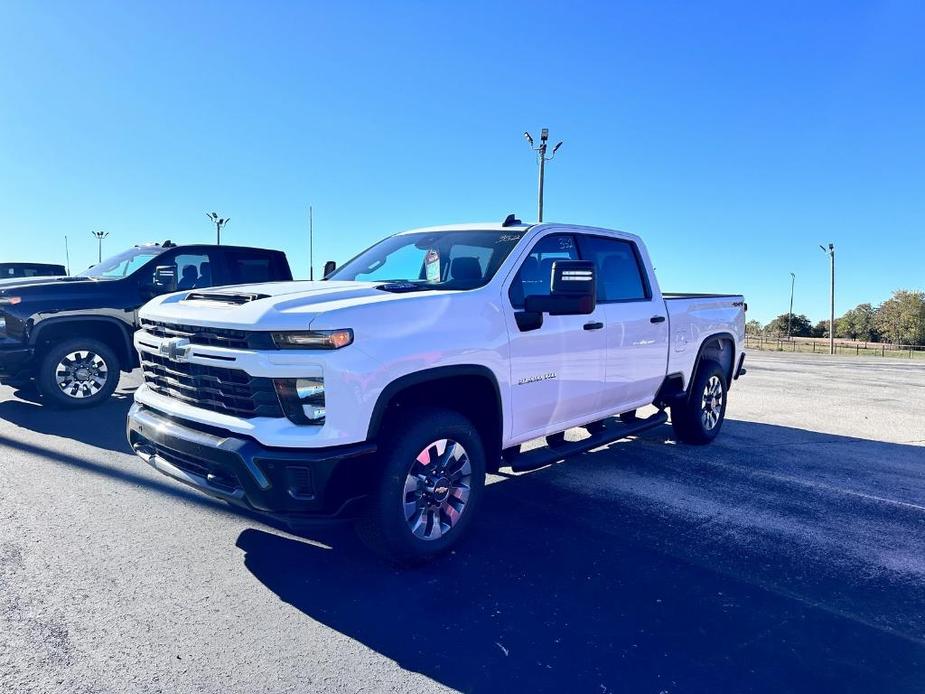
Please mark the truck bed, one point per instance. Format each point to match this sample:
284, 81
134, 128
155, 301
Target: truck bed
692, 316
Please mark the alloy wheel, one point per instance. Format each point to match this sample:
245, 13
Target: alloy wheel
81, 374
437, 489
711, 405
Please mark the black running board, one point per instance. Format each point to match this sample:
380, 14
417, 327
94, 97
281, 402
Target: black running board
614, 430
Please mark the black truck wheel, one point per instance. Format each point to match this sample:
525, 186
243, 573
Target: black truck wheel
77, 373
698, 418
432, 481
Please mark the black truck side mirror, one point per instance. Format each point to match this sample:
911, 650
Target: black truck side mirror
329, 267
163, 281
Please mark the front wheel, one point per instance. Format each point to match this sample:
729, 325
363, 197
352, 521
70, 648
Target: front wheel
698, 418
432, 481
77, 373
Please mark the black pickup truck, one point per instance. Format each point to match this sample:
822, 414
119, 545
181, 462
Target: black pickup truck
72, 335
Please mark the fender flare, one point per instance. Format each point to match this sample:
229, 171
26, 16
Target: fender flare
125, 330
417, 378
725, 335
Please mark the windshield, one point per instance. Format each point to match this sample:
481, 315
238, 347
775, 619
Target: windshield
433, 260
123, 264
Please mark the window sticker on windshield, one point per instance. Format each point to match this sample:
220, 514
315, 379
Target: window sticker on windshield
566, 243
432, 265
507, 238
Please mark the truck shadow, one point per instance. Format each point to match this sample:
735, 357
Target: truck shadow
102, 426
558, 589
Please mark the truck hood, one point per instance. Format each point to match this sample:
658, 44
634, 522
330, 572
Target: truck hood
270, 306
12, 283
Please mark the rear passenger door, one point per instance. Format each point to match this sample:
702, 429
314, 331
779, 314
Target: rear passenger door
635, 320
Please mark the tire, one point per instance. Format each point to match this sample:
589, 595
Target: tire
77, 373
699, 417
413, 516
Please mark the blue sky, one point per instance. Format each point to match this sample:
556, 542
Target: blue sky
734, 137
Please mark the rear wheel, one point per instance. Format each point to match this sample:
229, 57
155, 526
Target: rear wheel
698, 418
432, 482
77, 373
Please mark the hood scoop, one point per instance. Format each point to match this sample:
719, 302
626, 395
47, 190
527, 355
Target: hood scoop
218, 297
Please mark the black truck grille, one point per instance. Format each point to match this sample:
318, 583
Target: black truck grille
216, 337
230, 391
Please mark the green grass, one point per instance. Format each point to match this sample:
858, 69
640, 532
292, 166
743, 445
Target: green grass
844, 350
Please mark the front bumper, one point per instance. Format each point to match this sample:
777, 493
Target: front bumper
293, 484
15, 360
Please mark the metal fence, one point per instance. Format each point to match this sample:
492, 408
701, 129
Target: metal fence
855, 348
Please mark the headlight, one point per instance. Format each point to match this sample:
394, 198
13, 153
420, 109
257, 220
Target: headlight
302, 399
10, 300
314, 339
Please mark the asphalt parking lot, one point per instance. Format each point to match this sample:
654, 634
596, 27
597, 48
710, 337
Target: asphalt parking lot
787, 556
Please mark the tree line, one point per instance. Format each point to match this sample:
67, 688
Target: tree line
898, 320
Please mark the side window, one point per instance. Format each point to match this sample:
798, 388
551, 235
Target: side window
620, 276
535, 273
187, 271
249, 269
194, 271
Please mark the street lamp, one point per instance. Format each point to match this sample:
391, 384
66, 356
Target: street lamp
541, 159
793, 279
219, 223
99, 235
830, 251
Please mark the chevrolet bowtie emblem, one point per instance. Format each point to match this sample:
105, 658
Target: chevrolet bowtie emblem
176, 349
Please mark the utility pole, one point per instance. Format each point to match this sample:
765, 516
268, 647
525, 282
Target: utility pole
541, 159
67, 256
311, 244
793, 279
219, 223
99, 235
830, 251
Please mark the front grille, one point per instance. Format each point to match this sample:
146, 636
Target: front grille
216, 337
230, 391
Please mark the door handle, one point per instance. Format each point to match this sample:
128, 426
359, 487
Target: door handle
593, 326
657, 319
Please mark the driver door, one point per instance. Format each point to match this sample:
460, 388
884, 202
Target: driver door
557, 370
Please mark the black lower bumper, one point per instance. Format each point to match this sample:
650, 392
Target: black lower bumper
15, 361
292, 484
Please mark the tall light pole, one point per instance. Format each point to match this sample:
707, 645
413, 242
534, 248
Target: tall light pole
99, 235
311, 244
219, 223
541, 159
793, 279
830, 251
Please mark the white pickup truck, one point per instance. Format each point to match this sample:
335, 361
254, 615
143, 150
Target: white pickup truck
385, 392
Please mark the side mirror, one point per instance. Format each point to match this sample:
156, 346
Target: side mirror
572, 290
329, 267
164, 281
